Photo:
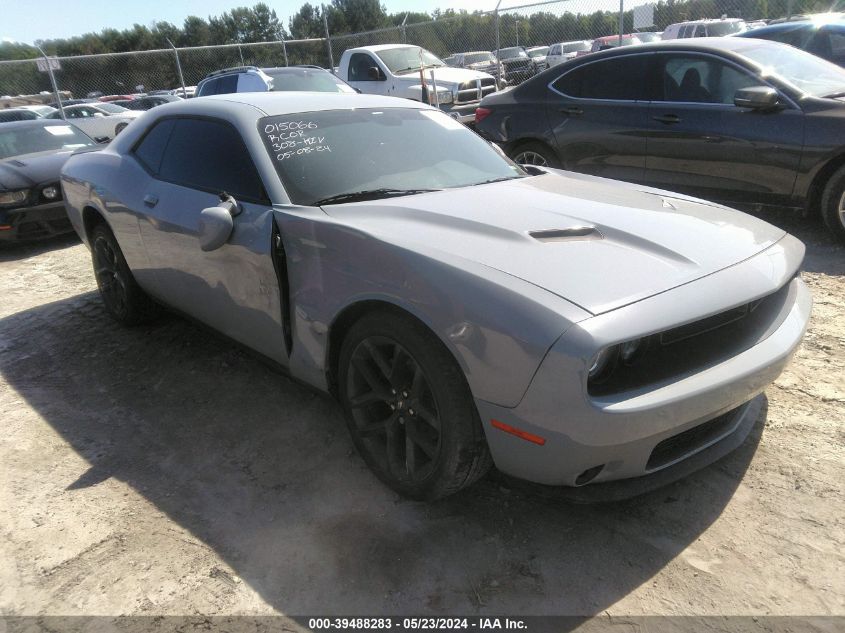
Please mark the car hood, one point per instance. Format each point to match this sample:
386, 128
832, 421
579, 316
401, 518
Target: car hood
597, 243
20, 172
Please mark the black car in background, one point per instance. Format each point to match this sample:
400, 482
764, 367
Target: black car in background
517, 63
822, 37
32, 154
746, 122
148, 101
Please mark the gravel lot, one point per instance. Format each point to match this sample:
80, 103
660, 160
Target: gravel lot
161, 470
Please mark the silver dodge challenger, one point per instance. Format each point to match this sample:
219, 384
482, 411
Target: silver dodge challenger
464, 311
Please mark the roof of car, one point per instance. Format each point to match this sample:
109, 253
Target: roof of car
734, 44
383, 47
278, 103
792, 26
31, 123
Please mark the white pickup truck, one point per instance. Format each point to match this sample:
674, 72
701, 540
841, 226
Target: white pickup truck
394, 70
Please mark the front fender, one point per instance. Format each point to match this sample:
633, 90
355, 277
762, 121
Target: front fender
497, 327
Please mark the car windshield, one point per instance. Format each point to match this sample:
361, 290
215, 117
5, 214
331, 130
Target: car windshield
648, 37
808, 73
320, 155
539, 52
477, 58
718, 29
408, 59
574, 47
509, 53
41, 138
307, 79
111, 108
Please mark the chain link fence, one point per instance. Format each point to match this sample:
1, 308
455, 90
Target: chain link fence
530, 25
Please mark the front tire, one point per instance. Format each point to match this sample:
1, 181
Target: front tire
833, 204
122, 296
120, 127
536, 154
409, 409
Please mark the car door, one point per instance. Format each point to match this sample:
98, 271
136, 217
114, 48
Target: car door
234, 289
702, 144
599, 116
360, 77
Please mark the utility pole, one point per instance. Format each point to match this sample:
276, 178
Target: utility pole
179, 69
621, 19
517, 32
53, 82
328, 42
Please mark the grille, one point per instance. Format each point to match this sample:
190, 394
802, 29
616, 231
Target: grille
691, 441
683, 350
468, 91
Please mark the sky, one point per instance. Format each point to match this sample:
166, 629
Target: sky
27, 21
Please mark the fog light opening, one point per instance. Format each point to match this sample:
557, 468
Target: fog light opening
588, 475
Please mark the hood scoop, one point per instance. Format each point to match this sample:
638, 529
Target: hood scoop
17, 163
579, 233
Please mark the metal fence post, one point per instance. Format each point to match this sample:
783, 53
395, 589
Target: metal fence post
179, 69
621, 20
404, 33
53, 82
498, 64
328, 41
285, 50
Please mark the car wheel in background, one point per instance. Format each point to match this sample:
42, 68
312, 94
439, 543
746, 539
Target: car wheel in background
409, 409
123, 298
833, 204
535, 154
119, 128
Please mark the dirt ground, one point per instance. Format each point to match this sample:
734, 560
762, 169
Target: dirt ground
161, 470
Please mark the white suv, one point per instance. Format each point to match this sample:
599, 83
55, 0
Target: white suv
704, 28
254, 79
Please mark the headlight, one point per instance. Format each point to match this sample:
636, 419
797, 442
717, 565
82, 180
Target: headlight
51, 192
444, 97
13, 197
603, 364
631, 350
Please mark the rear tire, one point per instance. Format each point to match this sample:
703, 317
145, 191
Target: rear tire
122, 296
409, 409
833, 204
535, 153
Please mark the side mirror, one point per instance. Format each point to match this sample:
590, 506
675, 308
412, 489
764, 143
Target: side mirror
217, 223
375, 74
756, 97
101, 139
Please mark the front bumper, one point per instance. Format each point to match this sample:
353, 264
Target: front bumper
463, 112
35, 222
649, 430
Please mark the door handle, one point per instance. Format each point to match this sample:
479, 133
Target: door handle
150, 200
668, 119
572, 111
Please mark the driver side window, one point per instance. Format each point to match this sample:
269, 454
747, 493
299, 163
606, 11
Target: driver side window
691, 79
359, 67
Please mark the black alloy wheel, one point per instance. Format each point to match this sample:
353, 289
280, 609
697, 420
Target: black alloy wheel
124, 300
409, 408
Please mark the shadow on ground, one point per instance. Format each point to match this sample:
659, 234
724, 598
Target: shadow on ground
12, 251
262, 471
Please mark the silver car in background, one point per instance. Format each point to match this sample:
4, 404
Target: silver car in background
462, 309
